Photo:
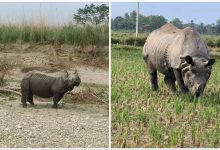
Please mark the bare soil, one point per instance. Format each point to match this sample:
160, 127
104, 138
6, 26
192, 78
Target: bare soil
82, 119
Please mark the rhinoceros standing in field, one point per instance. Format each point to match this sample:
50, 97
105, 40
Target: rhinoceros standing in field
180, 55
46, 85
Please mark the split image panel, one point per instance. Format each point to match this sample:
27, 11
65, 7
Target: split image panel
165, 80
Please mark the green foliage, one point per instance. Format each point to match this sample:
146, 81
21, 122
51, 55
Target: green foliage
128, 22
177, 22
152, 22
128, 39
92, 14
81, 36
155, 132
210, 43
218, 43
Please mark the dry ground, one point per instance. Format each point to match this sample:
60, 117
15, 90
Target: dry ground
82, 117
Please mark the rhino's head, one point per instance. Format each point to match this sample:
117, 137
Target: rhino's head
196, 73
71, 80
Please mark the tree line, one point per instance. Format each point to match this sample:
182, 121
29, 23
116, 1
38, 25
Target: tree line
152, 22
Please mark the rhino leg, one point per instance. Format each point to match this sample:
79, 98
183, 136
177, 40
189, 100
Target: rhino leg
23, 100
153, 74
153, 79
56, 99
179, 78
30, 98
24, 91
170, 82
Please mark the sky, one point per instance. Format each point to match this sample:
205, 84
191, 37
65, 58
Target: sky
54, 13
205, 12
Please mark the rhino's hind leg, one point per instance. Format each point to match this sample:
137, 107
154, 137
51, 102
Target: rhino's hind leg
30, 99
23, 100
153, 74
170, 82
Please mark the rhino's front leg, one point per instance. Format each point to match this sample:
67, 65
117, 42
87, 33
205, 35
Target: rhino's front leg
56, 98
153, 79
170, 82
179, 78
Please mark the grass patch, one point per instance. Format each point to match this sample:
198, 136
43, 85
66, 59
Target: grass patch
142, 118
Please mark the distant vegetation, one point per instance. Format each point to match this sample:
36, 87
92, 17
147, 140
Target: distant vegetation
89, 28
152, 22
129, 38
69, 34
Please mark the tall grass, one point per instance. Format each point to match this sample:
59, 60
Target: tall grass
69, 34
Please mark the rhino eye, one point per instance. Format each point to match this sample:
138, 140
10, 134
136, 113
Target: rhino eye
193, 71
190, 83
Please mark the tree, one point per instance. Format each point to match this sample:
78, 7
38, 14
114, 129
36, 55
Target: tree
201, 28
92, 14
209, 29
154, 21
177, 23
118, 23
218, 26
192, 24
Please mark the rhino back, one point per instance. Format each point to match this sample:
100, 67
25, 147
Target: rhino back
41, 84
157, 46
166, 45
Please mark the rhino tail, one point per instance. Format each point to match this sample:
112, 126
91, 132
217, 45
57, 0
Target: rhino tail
28, 75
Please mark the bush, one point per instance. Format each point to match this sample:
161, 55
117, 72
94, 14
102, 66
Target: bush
210, 43
126, 48
115, 40
218, 43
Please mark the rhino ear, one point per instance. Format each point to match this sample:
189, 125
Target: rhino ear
211, 62
189, 60
66, 75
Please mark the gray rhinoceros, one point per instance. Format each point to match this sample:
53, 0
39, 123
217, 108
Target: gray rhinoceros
46, 85
180, 55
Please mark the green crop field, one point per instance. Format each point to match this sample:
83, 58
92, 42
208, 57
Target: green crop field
142, 118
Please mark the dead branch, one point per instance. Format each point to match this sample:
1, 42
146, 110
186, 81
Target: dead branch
12, 91
99, 98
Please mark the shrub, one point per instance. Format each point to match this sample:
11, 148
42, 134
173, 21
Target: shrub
210, 43
218, 43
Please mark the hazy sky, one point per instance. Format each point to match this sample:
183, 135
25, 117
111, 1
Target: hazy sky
52, 12
205, 12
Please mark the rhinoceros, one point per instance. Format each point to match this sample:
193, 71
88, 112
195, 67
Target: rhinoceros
47, 85
179, 54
